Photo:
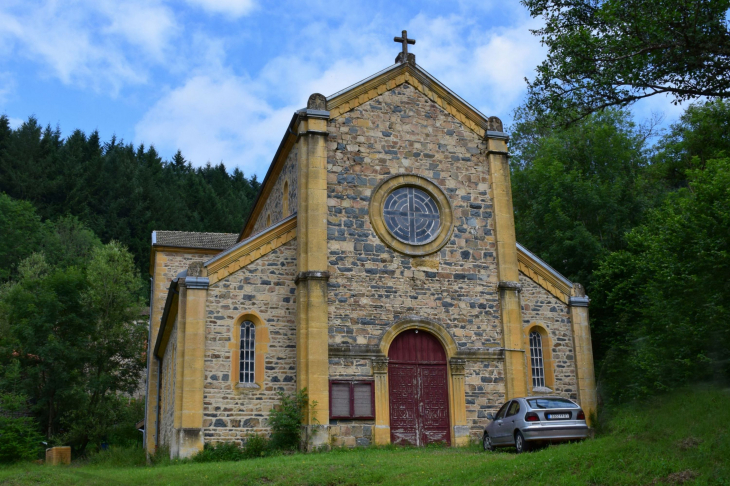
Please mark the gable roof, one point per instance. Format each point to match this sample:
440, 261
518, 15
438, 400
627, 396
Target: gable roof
362, 92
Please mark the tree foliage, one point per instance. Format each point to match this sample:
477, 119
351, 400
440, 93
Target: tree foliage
604, 53
647, 231
576, 191
70, 321
665, 297
118, 191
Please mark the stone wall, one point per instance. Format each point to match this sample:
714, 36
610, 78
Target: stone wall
167, 265
484, 391
274, 203
167, 390
372, 286
266, 287
539, 306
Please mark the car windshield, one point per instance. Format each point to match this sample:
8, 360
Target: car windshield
551, 403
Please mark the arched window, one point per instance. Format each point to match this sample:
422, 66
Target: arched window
538, 368
248, 345
285, 201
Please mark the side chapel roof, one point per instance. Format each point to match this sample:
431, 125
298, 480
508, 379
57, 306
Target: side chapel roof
189, 239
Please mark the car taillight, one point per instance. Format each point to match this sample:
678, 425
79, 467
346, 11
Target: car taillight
531, 417
581, 415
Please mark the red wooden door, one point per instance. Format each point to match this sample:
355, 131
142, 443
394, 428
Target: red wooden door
419, 397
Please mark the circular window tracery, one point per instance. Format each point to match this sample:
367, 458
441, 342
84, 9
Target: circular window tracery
411, 215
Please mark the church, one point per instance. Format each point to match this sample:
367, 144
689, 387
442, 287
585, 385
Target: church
379, 271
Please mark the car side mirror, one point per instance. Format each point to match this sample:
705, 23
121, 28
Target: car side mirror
490, 416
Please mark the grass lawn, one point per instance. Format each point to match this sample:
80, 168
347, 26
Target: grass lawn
683, 438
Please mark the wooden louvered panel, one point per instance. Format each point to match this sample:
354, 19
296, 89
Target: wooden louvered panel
340, 400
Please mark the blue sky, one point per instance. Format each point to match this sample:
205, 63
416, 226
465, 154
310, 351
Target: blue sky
219, 79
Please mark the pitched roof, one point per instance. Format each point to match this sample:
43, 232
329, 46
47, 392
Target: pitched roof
188, 239
362, 92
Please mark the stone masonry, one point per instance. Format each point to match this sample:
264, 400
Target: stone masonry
274, 206
266, 286
371, 286
538, 306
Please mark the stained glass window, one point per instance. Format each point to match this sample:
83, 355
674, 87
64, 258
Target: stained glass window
538, 370
412, 216
248, 344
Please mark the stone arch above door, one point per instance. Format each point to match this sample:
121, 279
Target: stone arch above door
415, 322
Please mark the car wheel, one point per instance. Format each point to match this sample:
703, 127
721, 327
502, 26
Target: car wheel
487, 443
520, 443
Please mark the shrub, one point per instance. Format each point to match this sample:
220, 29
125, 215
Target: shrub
255, 446
286, 420
19, 439
119, 456
218, 452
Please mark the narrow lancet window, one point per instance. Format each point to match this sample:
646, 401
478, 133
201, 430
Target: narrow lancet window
248, 345
538, 369
285, 201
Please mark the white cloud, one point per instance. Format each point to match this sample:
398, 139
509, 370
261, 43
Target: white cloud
217, 115
88, 43
7, 86
216, 118
14, 122
233, 8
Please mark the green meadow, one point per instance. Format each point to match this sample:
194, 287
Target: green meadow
682, 438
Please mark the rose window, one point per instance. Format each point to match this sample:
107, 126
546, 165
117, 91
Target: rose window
411, 215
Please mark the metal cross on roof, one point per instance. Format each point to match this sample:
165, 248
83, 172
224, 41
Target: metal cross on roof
404, 40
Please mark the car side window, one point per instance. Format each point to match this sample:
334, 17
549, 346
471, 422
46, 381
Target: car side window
502, 411
513, 408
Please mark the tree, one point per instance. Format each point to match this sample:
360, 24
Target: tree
21, 233
118, 191
665, 297
76, 333
576, 191
702, 133
604, 53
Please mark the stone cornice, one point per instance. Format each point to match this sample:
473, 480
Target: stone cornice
543, 275
373, 351
251, 249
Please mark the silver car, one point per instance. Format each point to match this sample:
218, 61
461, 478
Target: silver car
524, 422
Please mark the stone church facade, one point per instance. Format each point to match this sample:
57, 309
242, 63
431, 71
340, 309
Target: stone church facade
379, 270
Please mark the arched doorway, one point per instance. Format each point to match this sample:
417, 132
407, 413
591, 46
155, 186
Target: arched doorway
418, 386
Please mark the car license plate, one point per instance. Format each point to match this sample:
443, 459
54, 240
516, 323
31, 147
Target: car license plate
556, 416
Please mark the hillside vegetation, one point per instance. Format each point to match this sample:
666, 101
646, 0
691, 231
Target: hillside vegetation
682, 438
119, 191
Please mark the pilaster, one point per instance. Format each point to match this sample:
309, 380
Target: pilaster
583, 351
312, 276
191, 421
460, 436
507, 267
381, 434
